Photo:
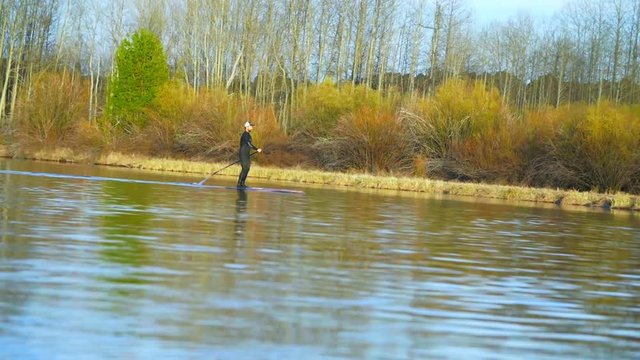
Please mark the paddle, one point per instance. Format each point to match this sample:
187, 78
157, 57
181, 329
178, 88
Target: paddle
215, 172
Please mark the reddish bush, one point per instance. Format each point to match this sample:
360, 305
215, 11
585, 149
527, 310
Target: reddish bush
370, 139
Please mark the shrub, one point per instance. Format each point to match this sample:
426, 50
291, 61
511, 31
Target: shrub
269, 136
369, 139
48, 112
537, 134
489, 156
599, 147
164, 115
458, 130
209, 125
322, 106
214, 121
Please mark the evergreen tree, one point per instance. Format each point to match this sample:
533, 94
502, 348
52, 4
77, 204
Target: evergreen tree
140, 70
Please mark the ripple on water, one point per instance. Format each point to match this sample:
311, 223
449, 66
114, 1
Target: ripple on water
151, 271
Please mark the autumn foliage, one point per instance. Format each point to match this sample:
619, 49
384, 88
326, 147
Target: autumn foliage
464, 131
599, 148
49, 113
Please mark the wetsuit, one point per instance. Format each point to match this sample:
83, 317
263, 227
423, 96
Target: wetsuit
245, 157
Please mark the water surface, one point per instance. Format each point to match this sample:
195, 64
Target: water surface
93, 269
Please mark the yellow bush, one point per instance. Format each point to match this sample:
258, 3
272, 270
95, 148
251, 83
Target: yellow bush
533, 138
209, 124
213, 123
458, 99
267, 129
48, 112
459, 110
173, 101
464, 130
599, 146
322, 105
319, 109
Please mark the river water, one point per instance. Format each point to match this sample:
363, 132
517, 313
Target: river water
95, 268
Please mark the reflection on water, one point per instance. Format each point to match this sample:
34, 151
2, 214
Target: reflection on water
124, 227
134, 270
241, 209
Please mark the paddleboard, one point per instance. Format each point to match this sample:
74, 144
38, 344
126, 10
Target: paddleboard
273, 190
153, 182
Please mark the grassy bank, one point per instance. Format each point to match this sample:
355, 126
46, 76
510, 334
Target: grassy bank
297, 175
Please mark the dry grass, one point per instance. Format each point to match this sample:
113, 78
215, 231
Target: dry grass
62, 154
364, 181
501, 192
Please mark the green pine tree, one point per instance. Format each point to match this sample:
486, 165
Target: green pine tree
140, 70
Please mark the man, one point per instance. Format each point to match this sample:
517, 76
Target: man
245, 157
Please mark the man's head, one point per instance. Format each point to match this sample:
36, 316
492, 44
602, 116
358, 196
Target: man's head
248, 126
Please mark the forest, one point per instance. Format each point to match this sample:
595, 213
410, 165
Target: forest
415, 88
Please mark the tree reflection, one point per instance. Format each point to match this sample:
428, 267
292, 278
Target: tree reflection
125, 225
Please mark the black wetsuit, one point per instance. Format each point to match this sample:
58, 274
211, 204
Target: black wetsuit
245, 157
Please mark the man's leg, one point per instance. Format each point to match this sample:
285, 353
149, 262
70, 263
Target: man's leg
246, 165
240, 177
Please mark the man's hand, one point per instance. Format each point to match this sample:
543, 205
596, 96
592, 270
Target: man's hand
260, 150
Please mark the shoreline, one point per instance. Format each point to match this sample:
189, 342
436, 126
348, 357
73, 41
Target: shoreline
509, 193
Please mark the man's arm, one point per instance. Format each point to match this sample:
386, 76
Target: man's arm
250, 143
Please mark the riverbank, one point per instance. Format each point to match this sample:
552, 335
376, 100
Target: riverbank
559, 197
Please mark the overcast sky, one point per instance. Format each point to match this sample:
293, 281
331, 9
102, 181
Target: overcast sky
486, 11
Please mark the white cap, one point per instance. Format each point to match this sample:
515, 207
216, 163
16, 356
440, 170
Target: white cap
247, 124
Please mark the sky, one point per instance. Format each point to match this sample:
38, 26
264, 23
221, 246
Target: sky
486, 11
